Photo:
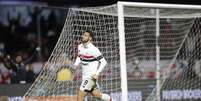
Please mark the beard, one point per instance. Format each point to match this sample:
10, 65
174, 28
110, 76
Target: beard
85, 41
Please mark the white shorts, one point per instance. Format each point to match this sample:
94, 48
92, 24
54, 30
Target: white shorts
88, 85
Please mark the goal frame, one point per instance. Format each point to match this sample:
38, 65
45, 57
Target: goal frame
122, 47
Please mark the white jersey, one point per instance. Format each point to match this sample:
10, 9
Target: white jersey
90, 59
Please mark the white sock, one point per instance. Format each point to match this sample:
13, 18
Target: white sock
105, 97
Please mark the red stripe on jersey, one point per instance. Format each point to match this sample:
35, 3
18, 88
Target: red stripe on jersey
86, 56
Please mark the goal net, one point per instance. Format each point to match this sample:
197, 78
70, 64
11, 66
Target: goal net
176, 31
179, 55
104, 27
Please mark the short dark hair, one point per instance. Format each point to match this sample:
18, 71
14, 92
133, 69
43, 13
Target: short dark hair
90, 33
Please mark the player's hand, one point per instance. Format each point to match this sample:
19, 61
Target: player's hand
94, 76
75, 67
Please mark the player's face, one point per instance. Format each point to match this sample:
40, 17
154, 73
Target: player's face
86, 37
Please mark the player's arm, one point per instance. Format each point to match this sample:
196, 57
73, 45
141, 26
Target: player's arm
78, 60
102, 65
102, 61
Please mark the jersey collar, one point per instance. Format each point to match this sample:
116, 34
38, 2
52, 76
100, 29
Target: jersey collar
88, 45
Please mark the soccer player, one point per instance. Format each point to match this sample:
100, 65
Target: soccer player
92, 63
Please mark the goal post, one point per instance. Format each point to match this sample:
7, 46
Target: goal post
122, 51
160, 41
158, 12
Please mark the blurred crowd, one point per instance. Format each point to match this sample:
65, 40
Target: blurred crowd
29, 34
27, 38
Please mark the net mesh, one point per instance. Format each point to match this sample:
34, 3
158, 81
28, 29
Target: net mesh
183, 73
179, 51
179, 43
106, 39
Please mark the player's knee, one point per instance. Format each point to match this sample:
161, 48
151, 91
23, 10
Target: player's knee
97, 94
81, 93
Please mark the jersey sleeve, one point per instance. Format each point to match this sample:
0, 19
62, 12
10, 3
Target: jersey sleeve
78, 60
97, 53
102, 61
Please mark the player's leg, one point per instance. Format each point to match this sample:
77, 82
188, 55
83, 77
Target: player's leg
86, 86
100, 95
82, 91
81, 95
